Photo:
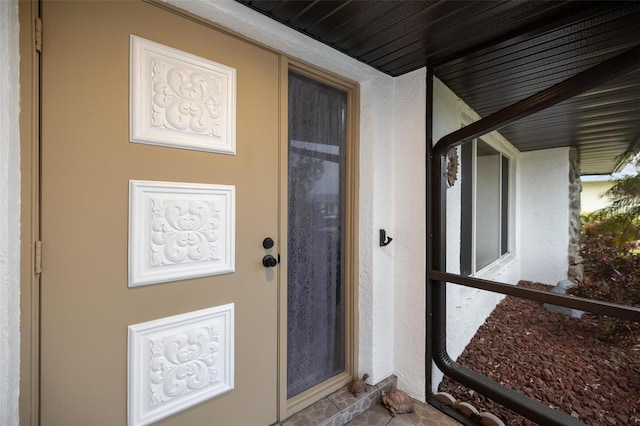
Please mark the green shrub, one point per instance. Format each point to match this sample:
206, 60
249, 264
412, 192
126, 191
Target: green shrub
623, 229
612, 274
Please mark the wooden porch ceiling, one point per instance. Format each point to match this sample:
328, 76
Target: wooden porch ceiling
495, 53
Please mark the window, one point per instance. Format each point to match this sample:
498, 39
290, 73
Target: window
320, 212
485, 208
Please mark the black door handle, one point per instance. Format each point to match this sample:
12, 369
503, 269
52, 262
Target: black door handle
269, 261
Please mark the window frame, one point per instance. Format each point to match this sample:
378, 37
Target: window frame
506, 152
287, 406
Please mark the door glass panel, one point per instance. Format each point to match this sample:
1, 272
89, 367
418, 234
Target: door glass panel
316, 308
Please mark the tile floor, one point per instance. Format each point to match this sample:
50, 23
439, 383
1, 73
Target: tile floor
423, 414
342, 408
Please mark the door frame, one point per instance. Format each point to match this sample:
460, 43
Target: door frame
30, 74
29, 13
295, 404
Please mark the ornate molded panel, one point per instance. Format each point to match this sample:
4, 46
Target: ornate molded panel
179, 361
180, 100
179, 231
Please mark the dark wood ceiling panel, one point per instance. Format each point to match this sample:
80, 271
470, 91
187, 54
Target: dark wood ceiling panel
531, 69
578, 17
359, 19
314, 13
413, 31
396, 22
482, 23
401, 48
529, 63
343, 15
486, 100
495, 53
603, 123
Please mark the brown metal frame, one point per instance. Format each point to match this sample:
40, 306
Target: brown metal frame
437, 277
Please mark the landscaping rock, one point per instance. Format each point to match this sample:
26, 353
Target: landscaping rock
554, 359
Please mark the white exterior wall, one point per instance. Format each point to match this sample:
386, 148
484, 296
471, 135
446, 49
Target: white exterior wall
544, 215
9, 214
409, 232
376, 291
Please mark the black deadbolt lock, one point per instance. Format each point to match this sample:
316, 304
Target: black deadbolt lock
267, 243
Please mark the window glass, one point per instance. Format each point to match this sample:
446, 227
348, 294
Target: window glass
505, 207
466, 212
484, 206
488, 209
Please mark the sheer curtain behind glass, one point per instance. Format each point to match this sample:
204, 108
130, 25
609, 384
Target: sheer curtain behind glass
317, 137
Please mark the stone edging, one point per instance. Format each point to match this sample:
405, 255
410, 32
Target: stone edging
468, 410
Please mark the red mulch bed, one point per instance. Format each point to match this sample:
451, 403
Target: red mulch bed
556, 360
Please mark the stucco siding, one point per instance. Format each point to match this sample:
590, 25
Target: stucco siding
544, 215
409, 232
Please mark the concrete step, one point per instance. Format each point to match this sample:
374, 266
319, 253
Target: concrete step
341, 407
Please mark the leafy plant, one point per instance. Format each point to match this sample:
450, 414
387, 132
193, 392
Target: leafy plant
611, 275
624, 230
622, 217
625, 194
